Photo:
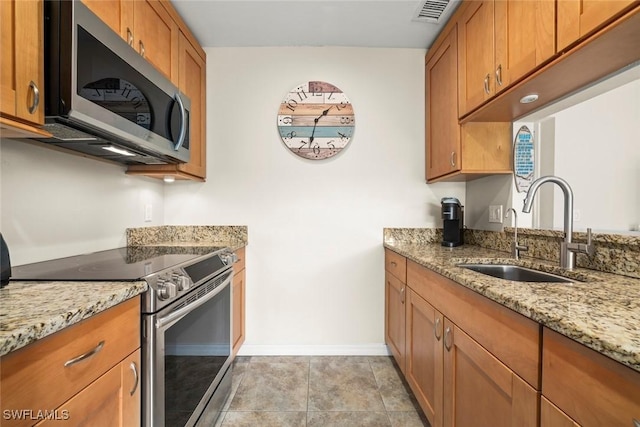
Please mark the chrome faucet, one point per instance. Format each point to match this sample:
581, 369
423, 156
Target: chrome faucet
515, 247
567, 248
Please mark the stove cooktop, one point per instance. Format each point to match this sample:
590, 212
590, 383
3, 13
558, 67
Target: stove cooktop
121, 264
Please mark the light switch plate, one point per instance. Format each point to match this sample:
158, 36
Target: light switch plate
495, 214
148, 212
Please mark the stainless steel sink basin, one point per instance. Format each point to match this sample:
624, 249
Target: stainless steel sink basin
515, 273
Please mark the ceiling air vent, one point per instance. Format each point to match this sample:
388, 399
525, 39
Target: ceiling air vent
431, 10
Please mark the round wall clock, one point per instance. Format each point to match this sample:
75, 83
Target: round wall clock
316, 120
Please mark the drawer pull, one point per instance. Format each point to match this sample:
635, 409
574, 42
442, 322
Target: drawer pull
134, 368
437, 328
447, 338
393, 264
84, 356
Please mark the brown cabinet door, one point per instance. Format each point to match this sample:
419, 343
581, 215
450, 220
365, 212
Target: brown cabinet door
476, 55
578, 18
551, 416
131, 383
589, 387
442, 132
156, 36
424, 358
192, 81
524, 38
394, 315
117, 14
22, 65
479, 390
238, 290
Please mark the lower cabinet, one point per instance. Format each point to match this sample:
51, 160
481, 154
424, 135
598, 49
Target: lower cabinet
585, 387
468, 360
473, 362
238, 292
479, 389
86, 374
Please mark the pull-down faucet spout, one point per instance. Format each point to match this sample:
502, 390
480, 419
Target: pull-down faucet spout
567, 257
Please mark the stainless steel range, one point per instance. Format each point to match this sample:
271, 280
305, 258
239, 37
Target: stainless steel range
185, 328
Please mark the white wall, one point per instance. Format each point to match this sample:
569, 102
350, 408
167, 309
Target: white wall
315, 275
55, 204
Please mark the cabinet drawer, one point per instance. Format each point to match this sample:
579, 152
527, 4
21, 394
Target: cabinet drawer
36, 378
239, 265
591, 388
396, 265
509, 336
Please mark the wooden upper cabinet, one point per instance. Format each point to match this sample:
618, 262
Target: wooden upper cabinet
117, 14
476, 55
146, 26
22, 68
579, 18
524, 38
155, 36
442, 130
192, 77
192, 74
501, 41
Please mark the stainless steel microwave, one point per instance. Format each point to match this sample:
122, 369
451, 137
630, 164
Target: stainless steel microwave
105, 100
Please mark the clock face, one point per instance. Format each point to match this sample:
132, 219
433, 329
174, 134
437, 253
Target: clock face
316, 120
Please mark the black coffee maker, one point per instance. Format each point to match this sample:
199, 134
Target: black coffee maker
452, 222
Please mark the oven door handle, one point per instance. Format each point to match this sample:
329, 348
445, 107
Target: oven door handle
173, 317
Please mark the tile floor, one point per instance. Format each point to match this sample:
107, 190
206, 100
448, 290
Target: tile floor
319, 391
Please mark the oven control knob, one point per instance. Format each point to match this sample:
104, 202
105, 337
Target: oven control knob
167, 290
182, 282
229, 258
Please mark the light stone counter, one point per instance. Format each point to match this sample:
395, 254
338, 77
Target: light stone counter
30, 311
602, 312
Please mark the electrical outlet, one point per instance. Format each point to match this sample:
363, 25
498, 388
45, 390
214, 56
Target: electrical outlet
148, 212
495, 214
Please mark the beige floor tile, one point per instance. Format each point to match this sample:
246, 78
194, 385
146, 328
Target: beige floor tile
407, 419
341, 386
391, 387
272, 387
348, 419
264, 419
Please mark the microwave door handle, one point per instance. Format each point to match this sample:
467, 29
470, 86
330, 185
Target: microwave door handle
179, 314
183, 123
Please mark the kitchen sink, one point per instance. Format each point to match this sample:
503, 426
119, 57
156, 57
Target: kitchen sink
515, 273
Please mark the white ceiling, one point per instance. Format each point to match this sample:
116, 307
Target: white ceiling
353, 23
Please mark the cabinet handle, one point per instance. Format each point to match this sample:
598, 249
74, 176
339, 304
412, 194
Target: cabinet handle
453, 159
134, 368
636, 423
36, 97
486, 84
437, 328
129, 37
402, 295
141, 48
84, 356
393, 264
447, 338
499, 75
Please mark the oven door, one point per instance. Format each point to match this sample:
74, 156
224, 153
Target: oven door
186, 355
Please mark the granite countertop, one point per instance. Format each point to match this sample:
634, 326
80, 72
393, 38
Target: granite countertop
30, 311
602, 311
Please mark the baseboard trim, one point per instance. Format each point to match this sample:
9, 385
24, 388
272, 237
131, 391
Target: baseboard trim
314, 350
